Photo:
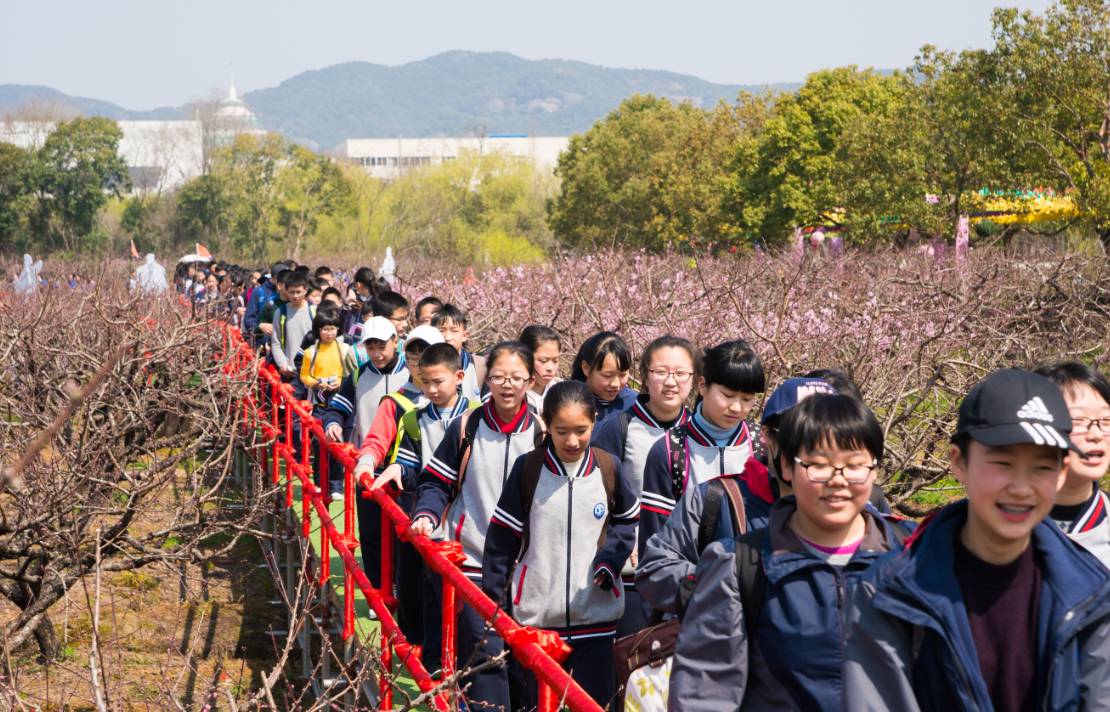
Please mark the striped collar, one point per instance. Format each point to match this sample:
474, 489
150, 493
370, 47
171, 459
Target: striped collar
639, 410
460, 407
368, 365
698, 435
1093, 514
521, 422
552, 462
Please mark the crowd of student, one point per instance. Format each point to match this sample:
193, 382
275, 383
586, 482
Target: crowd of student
766, 550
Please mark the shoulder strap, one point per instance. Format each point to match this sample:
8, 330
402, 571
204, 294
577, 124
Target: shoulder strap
710, 511
677, 450
750, 577
530, 478
480, 368
607, 464
468, 430
736, 501
410, 424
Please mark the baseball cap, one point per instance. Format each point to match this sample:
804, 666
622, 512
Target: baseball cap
378, 328
791, 392
426, 333
1012, 406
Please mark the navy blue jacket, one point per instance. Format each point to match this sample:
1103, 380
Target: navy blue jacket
795, 659
262, 294
622, 402
910, 645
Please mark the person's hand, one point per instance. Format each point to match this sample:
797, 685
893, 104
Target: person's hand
243, 310
390, 474
267, 329
423, 525
604, 581
334, 432
364, 469
331, 387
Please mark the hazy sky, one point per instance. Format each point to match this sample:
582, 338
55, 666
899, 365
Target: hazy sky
147, 53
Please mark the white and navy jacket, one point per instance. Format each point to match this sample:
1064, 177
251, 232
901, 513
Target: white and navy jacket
413, 454
624, 400
469, 504
703, 460
474, 369
355, 404
1091, 529
629, 437
573, 537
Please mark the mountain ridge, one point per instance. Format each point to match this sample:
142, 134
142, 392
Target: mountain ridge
457, 92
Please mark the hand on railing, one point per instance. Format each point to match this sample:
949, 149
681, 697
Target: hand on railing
334, 432
390, 474
423, 525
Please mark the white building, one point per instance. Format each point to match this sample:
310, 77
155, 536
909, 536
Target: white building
389, 158
232, 117
160, 155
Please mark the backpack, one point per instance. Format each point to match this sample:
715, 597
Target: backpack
676, 453
283, 314
405, 407
716, 492
410, 423
533, 464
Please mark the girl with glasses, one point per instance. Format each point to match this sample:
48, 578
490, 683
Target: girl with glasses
764, 628
1081, 508
668, 369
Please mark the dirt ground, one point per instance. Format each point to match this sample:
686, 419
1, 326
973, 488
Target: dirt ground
168, 638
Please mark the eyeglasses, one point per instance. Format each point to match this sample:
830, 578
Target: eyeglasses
679, 376
1082, 425
821, 473
514, 381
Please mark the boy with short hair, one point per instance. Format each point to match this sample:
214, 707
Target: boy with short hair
291, 322
452, 322
989, 606
394, 307
426, 309
1082, 510
324, 275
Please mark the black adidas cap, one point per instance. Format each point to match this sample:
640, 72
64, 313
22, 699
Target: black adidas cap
1013, 406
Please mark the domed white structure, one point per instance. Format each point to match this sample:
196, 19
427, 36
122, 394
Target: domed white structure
232, 117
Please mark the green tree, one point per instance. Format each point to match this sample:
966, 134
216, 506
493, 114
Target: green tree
16, 197
648, 175
1057, 70
78, 168
310, 187
943, 136
204, 212
784, 176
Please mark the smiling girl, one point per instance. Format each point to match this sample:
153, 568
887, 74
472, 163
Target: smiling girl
573, 504
1081, 508
546, 348
785, 652
459, 489
603, 363
715, 441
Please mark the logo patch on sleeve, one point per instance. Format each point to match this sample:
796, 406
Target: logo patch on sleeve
599, 510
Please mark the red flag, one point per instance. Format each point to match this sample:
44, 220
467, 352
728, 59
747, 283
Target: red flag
134, 252
203, 251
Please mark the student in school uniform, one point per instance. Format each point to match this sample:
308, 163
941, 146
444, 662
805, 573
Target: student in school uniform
764, 628
990, 606
380, 371
1081, 508
420, 432
452, 323
603, 363
713, 442
561, 532
426, 309
668, 370
459, 489
546, 346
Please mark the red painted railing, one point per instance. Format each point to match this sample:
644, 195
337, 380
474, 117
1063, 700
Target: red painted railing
537, 650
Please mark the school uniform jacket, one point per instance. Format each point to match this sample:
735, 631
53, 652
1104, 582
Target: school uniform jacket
629, 436
1091, 529
671, 554
413, 454
705, 460
471, 364
793, 661
572, 536
356, 403
470, 505
624, 400
910, 645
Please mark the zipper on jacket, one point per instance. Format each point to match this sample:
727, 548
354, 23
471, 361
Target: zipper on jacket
505, 467
570, 512
721, 458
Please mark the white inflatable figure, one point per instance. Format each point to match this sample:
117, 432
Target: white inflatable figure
389, 268
28, 282
151, 277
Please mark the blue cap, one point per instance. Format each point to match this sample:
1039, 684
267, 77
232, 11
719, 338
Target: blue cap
791, 392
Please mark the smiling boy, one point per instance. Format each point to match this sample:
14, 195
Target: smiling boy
990, 606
